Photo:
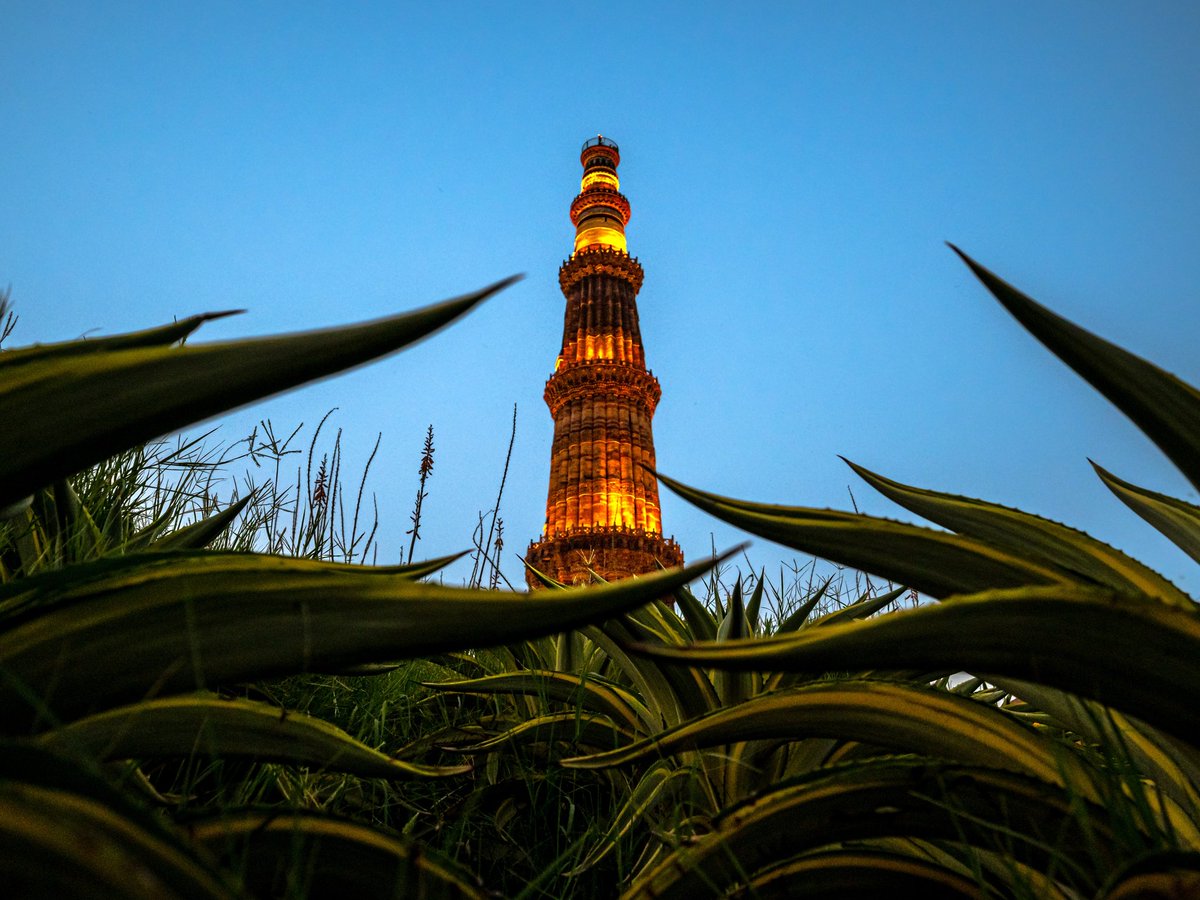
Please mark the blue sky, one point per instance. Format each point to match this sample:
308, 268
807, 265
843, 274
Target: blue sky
794, 170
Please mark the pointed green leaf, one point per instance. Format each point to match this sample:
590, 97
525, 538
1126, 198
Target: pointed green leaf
200, 534
1132, 653
658, 781
969, 806
860, 872
799, 616
861, 608
733, 687
905, 718
322, 857
589, 692
1056, 546
754, 604
66, 833
573, 727
933, 562
206, 725
162, 336
119, 630
702, 623
1164, 407
68, 410
1177, 519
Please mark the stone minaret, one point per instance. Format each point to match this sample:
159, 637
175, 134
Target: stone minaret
602, 513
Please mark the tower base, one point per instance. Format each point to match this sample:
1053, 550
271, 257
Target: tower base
611, 553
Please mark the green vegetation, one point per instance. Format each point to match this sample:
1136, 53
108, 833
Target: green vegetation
218, 698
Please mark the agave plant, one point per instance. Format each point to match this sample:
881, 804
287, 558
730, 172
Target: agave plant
120, 646
1031, 733
584, 693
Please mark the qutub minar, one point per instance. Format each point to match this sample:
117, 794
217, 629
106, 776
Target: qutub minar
602, 512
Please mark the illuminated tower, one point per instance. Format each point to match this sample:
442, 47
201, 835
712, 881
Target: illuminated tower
602, 513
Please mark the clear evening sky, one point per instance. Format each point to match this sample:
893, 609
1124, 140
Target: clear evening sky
794, 170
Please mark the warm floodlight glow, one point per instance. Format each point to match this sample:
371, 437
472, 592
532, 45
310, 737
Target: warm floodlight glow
600, 178
602, 512
601, 236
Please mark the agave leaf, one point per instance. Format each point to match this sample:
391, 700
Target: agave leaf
326, 857
572, 727
662, 704
691, 691
1163, 874
589, 692
754, 604
68, 410
861, 608
733, 687
1177, 519
1054, 545
799, 616
119, 630
860, 872
543, 579
1129, 652
902, 717
161, 336
1153, 753
66, 833
206, 725
62, 845
657, 781
966, 805
701, 622
933, 562
1164, 407
200, 534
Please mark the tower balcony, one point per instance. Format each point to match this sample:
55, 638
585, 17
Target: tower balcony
599, 259
599, 141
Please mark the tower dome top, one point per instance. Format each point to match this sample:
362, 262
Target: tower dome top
600, 141
600, 151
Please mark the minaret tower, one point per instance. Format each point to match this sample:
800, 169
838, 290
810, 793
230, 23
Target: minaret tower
602, 513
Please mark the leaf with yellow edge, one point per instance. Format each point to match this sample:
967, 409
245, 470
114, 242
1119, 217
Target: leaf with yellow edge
64, 832
656, 782
1177, 519
210, 726
905, 718
572, 727
1163, 406
934, 562
860, 872
161, 336
964, 805
1074, 553
589, 692
329, 858
66, 409
120, 630
1130, 652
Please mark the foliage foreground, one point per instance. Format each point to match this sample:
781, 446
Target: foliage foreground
183, 721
